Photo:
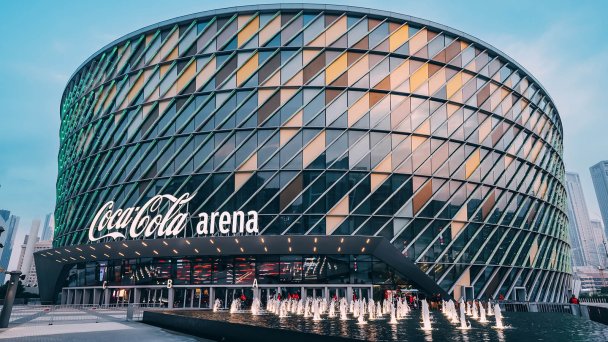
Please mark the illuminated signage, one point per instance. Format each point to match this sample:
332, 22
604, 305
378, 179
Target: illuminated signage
166, 216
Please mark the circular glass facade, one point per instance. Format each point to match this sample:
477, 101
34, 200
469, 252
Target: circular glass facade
328, 121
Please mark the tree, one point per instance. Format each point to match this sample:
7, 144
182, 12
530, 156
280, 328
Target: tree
20, 291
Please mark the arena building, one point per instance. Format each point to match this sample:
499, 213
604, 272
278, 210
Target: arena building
305, 150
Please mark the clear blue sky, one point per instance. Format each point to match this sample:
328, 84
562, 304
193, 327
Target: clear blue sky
563, 43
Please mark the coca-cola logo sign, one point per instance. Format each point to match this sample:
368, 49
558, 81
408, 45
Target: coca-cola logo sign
166, 216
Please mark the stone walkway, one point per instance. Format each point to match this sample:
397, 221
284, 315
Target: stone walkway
92, 332
78, 325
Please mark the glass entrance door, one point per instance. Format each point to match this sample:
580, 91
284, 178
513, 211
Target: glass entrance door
221, 294
201, 298
291, 293
181, 297
191, 297
362, 293
154, 297
267, 293
245, 295
315, 292
337, 293
120, 296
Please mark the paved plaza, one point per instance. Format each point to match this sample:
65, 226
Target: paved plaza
45, 323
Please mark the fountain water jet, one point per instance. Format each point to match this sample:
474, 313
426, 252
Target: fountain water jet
426, 319
255, 306
398, 309
307, 308
235, 305
343, 310
294, 306
463, 319
371, 307
393, 317
406, 308
332, 309
450, 311
283, 309
482, 314
316, 304
474, 309
216, 305
498, 315
361, 319
455, 318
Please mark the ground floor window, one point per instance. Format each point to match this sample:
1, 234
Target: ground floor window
237, 270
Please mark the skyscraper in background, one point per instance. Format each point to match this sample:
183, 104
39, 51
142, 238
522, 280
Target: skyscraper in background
31, 244
600, 238
584, 244
4, 215
599, 175
25, 263
48, 228
10, 224
4, 218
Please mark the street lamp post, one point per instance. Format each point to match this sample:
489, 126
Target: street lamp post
9, 298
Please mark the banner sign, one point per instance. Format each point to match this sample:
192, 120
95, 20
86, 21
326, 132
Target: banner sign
149, 221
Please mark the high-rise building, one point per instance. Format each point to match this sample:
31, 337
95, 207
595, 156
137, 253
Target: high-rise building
25, 263
599, 176
4, 219
368, 152
26, 256
592, 279
600, 239
8, 239
48, 228
4, 215
583, 240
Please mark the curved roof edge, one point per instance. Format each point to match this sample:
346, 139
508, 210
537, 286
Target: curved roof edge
309, 6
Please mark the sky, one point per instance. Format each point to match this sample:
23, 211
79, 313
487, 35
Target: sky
562, 43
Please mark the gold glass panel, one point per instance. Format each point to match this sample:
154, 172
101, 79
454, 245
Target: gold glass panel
454, 84
422, 196
398, 37
241, 178
286, 134
358, 110
419, 77
335, 69
358, 69
205, 74
376, 179
336, 30
314, 149
247, 69
248, 31
332, 223
186, 75
418, 41
270, 30
472, 163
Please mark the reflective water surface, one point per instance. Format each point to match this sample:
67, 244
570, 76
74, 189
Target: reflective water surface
521, 327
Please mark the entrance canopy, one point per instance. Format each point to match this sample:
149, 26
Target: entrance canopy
53, 264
